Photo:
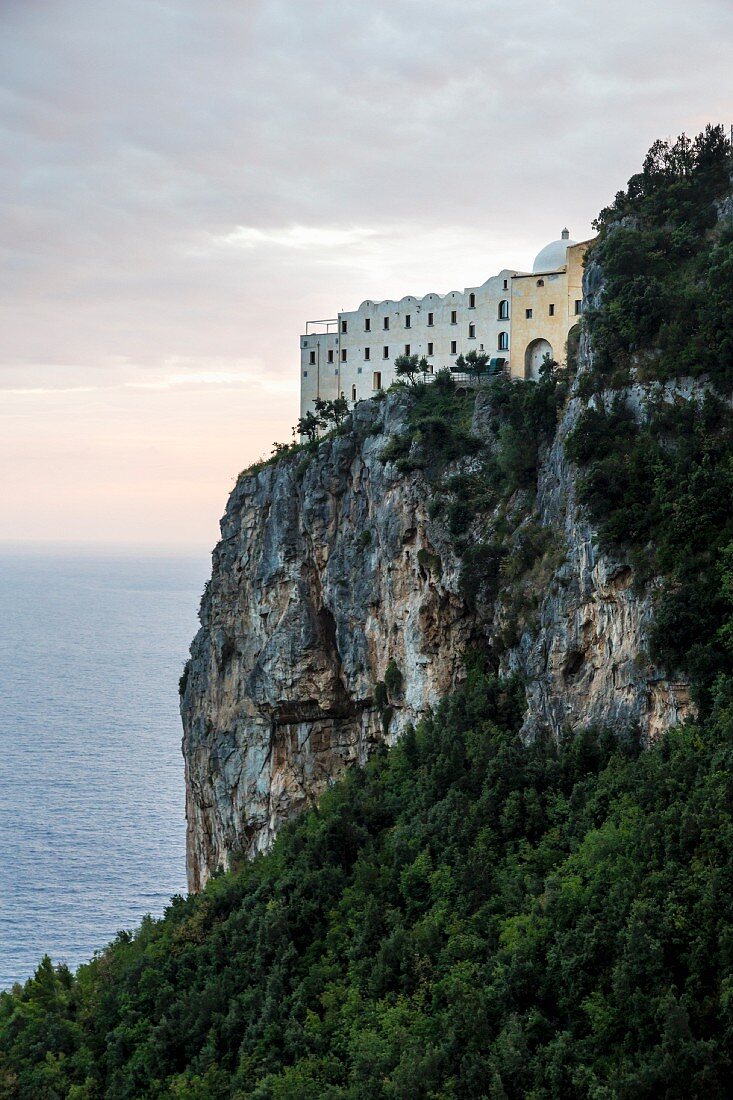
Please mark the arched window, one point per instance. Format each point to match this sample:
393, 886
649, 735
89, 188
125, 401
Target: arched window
540, 282
503, 344
471, 332
472, 301
503, 310
353, 393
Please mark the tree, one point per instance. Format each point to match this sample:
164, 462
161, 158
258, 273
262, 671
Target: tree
307, 427
409, 366
474, 362
330, 413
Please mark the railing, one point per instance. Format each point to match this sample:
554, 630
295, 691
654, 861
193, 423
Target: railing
331, 324
462, 378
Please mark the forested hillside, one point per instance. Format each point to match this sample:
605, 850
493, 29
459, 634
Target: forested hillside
471, 915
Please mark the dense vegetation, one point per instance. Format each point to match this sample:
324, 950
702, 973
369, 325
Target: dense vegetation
660, 489
469, 916
658, 480
667, 262
466, 917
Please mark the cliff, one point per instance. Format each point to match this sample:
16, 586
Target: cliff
338, 612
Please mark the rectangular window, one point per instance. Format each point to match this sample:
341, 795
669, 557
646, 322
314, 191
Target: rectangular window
330, 355
386, 324
312, 358
431, 320
430, 348
552, 310
385, 352
408, 321
528, 314
453, 347
506, 284
471, 332
358, 370
377, 380
305, 373
344, 326
367, 324
305, 343
578, 306
343, 355
407, 349
367, 354
454, 316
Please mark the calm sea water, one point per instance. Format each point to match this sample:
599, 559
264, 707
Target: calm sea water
92, 830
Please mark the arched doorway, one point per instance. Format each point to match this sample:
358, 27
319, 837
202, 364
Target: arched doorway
533, 357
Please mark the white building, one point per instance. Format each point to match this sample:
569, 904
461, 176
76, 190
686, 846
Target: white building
516, 317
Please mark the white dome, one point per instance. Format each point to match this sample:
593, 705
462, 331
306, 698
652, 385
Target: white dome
553, 255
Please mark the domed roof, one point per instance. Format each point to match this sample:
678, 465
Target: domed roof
553, 255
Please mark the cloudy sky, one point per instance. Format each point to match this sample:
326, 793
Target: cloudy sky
185, 182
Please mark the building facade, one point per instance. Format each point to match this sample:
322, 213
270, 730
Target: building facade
515, 317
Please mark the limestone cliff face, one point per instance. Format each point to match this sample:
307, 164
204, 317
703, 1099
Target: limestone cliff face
321, 579
329, 573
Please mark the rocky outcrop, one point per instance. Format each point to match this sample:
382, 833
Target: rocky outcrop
324, 577
334, 617
586, 661
329, 574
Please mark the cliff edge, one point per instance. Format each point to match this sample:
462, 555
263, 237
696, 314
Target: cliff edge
343, 604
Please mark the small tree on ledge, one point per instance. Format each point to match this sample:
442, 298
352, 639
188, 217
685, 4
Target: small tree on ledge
409, 366
475, 363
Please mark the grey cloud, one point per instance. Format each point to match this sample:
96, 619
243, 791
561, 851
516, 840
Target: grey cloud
460, 135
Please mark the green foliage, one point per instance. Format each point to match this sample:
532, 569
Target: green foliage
393, 679
429, 561
381, 695
438, 431
308, 426
407, 367
667, 263
476, 363
330, 414
660, 490
183, 679
467, 916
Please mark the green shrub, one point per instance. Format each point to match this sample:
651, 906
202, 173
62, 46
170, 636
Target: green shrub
183, 679
429, 561
659, 491
393, 679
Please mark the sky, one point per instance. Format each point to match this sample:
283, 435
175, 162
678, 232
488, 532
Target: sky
184, 183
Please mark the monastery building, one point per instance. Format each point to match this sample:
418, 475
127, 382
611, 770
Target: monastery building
517, 317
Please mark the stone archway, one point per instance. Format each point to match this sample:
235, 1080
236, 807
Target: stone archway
533, 357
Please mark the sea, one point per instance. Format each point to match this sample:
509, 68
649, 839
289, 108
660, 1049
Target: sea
92, 813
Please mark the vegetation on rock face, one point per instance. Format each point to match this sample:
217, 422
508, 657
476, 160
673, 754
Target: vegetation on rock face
465, 917
658, 482
484, 487
667, 262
